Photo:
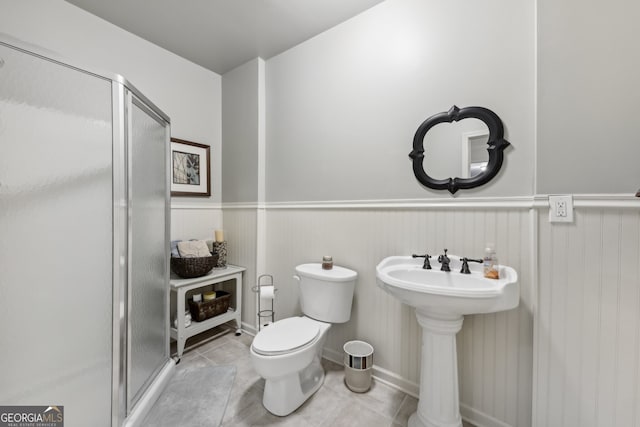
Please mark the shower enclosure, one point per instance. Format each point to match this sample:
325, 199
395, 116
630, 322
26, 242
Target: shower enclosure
84, 232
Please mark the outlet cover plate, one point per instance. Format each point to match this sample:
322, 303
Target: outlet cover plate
561, 208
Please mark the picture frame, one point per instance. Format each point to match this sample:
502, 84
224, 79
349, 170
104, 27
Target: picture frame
190, 169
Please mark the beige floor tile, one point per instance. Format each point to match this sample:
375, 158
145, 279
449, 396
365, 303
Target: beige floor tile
321, 407
209, 340
333, 405
193, 359
354, 414
228, 351
201, 339
245, 338
254, 414
409, 406
380, 398
243, 401
333, 374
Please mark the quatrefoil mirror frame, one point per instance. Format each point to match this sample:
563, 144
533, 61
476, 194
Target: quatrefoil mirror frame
495, 147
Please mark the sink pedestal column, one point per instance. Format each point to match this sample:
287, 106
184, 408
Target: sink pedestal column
439, 400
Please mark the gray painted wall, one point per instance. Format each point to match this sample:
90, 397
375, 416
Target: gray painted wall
186, 92
588, 135
240, 134
342, 108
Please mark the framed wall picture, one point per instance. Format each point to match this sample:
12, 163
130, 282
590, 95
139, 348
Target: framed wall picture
190, 169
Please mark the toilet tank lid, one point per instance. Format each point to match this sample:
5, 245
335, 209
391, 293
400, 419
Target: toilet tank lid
336, 274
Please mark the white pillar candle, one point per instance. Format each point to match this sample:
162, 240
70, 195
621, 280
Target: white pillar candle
219, 236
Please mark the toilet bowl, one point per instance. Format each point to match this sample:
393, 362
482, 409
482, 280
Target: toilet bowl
291, 368
287, 353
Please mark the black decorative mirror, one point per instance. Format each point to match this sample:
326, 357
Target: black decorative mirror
480, 173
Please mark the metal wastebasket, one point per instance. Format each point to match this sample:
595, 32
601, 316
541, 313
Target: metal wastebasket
358, 364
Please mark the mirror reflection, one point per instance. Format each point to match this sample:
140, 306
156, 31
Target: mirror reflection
456, 149
474, 153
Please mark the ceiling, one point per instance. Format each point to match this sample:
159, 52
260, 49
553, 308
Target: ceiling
223, 34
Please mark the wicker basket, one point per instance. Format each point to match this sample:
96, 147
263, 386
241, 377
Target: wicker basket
203, 310
193, 267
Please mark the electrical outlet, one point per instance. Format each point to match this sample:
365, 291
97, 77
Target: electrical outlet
561, 208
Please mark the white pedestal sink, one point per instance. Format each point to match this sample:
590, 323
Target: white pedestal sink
441, 299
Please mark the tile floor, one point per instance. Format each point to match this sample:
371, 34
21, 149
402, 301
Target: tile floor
333, 405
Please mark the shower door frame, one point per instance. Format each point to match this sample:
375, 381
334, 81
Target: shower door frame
124, 95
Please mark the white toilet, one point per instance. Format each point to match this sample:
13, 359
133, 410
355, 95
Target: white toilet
287, 353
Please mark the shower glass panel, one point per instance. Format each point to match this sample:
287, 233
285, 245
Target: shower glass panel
148, 319
55, 238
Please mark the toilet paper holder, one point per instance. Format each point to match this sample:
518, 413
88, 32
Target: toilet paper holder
265, 289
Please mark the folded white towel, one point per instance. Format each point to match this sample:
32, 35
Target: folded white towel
193, 248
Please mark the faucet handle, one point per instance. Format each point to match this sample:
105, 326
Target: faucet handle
427, 264
444, 261
465, 264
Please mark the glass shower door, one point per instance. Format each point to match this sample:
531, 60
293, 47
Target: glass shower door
55, 238
148, 333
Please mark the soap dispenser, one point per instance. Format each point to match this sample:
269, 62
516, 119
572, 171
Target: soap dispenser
491, 270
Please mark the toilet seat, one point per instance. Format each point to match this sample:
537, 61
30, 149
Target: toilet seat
285, 336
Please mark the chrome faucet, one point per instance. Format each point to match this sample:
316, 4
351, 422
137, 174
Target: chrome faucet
444, 261
427, 264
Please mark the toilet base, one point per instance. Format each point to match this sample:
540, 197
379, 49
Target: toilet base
284, 395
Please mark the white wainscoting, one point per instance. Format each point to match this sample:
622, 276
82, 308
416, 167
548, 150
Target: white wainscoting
587, 368
194, 221
495, 350
240, 228
585, 357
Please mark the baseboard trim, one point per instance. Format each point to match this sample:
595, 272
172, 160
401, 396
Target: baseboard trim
249, 329
479, 419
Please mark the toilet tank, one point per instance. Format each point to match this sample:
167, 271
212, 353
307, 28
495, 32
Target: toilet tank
326, 295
